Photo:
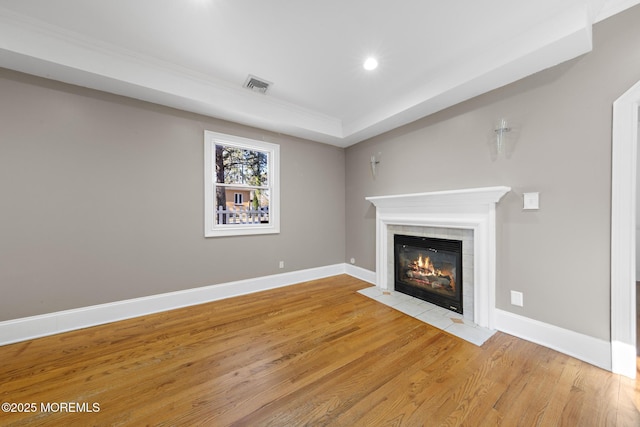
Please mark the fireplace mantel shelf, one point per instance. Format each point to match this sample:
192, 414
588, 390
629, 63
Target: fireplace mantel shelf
468, 196
472, 208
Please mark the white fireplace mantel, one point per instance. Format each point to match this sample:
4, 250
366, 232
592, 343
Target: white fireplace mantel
472, 208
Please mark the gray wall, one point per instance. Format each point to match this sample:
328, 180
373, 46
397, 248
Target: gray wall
557, 256
101, 199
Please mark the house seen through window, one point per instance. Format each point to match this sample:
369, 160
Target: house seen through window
241, 191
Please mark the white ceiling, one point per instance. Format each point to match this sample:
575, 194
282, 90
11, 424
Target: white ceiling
196, 54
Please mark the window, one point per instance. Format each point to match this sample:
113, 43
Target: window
241, 186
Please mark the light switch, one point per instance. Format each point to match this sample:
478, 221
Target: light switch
531, 201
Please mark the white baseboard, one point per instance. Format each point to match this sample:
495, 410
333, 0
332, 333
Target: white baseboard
586, 348
623, 359
361, 273
583, 347
589, 349
27, 328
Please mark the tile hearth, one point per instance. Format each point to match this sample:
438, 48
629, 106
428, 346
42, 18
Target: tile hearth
431, 314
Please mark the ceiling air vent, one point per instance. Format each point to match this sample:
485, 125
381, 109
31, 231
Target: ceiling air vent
257, 84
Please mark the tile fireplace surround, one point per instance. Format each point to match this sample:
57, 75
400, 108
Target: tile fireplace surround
466, 209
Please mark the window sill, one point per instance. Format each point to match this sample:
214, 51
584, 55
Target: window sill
249, 230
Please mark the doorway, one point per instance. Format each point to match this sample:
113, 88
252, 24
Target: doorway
623, 232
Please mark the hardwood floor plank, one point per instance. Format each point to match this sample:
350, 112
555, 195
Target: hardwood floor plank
373, 366
385, 405
628, 407
317, 353
520, 381
493, 379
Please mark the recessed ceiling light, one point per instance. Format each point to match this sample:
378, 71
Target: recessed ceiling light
370, 64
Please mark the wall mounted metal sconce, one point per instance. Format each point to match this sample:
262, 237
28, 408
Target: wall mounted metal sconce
374, 162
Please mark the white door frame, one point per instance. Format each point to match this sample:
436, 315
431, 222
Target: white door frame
623, 232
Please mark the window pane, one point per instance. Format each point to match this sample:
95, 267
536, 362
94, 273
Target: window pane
241, 166
254, 210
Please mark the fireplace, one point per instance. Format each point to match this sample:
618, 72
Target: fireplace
430, 269
471, 209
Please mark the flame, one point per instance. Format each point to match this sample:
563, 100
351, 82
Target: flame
421, 263
425, 266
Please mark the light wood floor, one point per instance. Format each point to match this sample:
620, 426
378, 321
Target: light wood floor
312, 354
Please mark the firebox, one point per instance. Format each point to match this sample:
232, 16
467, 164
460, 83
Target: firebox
430, 269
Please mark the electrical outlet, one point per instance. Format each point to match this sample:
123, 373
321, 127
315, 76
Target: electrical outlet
517, 298
352, 260
281, 265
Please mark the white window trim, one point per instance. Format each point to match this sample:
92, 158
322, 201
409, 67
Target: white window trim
210, 227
